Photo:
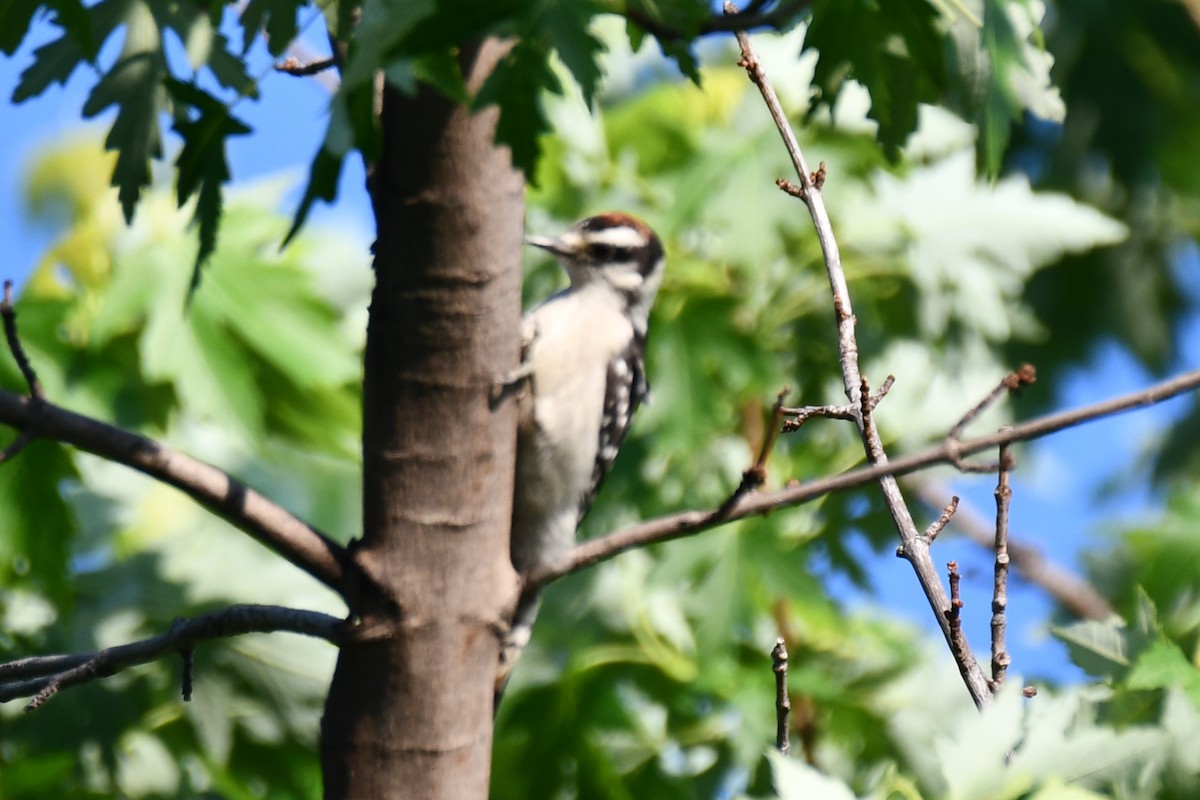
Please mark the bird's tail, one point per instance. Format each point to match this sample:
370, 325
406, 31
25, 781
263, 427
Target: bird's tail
515, 640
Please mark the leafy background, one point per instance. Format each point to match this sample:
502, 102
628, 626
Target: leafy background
648, 677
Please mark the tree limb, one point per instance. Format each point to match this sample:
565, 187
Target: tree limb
219, 492
43, 676
1067, 588
687, 523
913, 547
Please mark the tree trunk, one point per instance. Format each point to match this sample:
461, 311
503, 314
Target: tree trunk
409, 712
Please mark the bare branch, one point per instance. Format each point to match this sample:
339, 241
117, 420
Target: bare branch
43, 676
1000, 656
295, 67
803, 414
931, 533
958, 640
688, 523
14, 344
228, 498
913, 547
1011, 383
783, 704
756, 474
1067, 588
18, 353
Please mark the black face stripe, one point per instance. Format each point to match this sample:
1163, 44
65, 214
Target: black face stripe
646, 257
650, 255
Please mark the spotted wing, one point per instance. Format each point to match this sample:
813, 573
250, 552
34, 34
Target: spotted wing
625, 391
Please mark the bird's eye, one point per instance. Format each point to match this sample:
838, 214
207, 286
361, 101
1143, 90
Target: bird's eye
609, 253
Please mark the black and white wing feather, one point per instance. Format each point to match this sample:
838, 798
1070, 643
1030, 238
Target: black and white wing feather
625, 392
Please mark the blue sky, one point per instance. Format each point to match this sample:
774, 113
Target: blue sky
1080, 461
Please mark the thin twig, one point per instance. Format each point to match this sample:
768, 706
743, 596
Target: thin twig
239, 505
185, 679
931, 533
783, 705
958, 641
1011, 383
294, 66
803, 414
14, 344
36, 392
1000, 656
1067, 588
756, 474
914, 548
687, 523
43, 676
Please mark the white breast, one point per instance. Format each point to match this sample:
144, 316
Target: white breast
576, 337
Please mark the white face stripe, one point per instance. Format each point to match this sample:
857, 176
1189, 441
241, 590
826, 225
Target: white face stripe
624, 278
621, 236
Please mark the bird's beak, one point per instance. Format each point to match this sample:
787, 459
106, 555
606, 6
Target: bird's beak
559, 247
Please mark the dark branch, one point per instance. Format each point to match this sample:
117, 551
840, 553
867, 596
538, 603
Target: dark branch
687, 523
756, 475
1000, 657
293, 66
1067, 588
783, 704
225, 496
14, 344
43, 676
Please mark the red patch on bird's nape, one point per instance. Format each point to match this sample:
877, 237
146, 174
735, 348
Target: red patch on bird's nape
614, 219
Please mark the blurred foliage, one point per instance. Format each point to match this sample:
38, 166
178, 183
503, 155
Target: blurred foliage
176, 59
260, 374
648, 676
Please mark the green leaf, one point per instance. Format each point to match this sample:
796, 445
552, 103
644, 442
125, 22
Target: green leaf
15, 17
134, 86
55, 61
229, 69
685, 58
1098, 648
280, 16
384, 23
441, 71
36, 526
201, 163
352, 124
515, 86
795, 780
1018, 78
322, 185
566, 22
1164, 666
894, 49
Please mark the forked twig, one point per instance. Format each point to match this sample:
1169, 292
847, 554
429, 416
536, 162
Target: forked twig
756, 475
913, 546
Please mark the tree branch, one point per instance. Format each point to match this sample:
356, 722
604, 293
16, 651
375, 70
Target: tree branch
219, 492
1000, 656
43, 676
688, 523
1067, 588
913, 547
783, 704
